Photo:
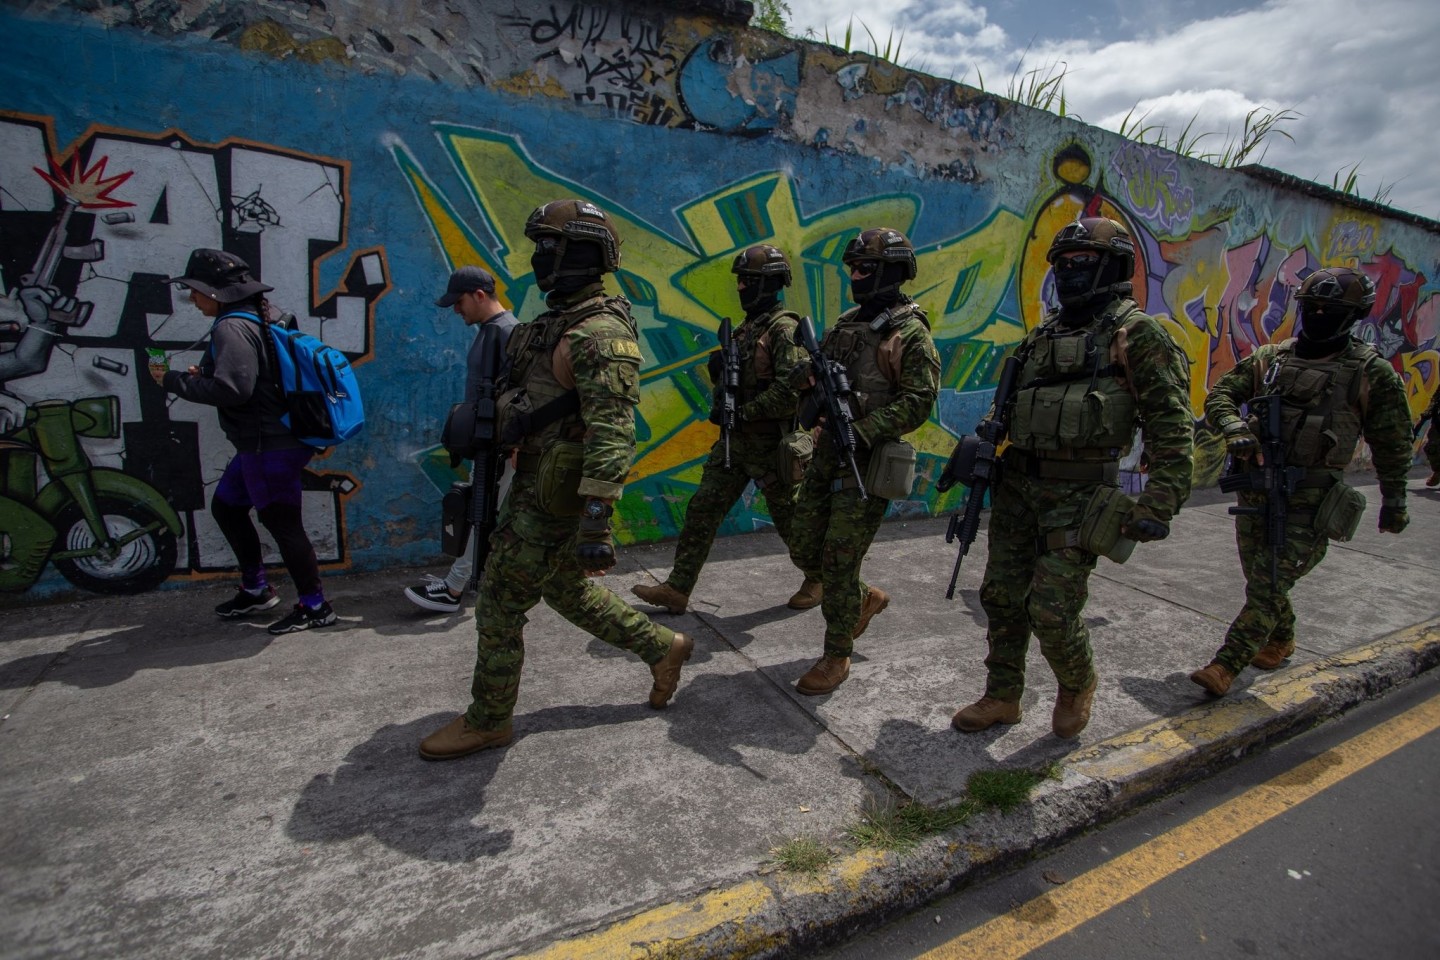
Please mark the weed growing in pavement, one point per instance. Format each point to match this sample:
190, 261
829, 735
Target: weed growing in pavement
1004, 790
899, 826
804, 855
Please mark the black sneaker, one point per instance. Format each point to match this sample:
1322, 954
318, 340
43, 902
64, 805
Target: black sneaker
303, 618
433, 594
245, 603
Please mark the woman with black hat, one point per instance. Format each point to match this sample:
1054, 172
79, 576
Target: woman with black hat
237, 377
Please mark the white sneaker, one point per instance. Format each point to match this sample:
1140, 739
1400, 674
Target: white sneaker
433, 594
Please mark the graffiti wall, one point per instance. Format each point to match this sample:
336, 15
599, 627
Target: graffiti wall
355, 157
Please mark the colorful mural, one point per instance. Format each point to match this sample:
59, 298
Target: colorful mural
355, 159
101, 474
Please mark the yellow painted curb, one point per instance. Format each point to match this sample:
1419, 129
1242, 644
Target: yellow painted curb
748, 919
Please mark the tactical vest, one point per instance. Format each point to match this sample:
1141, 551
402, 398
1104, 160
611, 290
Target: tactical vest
856, 346
1071, 401
754, 381
532, 382
1320, 416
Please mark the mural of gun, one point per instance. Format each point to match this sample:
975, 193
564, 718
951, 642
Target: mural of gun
42, 274
973, 463
1272, 477
729, 384
833, 403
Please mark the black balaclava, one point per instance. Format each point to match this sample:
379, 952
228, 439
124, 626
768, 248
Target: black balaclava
879, 291
761, 295
581, 265
1324, 329
1084, 291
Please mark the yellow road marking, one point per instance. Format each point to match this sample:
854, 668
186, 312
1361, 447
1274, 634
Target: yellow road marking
1047, 917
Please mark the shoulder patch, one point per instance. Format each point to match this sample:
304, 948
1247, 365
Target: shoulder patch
620, 348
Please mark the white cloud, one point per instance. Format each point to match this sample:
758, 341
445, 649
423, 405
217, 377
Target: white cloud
1364, 80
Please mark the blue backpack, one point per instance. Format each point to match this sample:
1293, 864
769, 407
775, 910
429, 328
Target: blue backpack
322, 396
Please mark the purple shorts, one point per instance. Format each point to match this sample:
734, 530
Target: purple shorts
260, 479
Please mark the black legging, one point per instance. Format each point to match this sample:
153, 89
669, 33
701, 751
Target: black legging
284, 523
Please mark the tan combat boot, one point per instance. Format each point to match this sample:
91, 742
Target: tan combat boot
985, 713
667, 671
809, 595
1215, 678
458, 739
827, 674
1273, 654
1072, 711
875, 601
662, 595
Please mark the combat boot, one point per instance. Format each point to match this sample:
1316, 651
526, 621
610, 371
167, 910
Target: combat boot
985, 713
666, 671
1215, 678
458, 739
827, 674
1433, 480
1273, 654
809, 595
875, 601
662, 595
1072, 711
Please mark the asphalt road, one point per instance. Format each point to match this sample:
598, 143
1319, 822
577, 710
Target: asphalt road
1348, 868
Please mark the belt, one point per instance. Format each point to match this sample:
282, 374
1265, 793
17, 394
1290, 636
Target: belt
1045, 468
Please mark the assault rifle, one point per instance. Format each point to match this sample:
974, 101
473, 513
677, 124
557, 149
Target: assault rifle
471, 433
832, 402
729, 385
973, 463
1272, 477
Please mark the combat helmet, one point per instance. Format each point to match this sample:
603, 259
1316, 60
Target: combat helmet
888, 247
576, 225
1331, 300
1109, 276
765, 271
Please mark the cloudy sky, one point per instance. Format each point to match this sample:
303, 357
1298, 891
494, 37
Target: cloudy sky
1365, 78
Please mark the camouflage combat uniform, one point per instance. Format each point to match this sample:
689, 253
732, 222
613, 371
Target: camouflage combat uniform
1369, 400
586, 343
768, 353
895, 375
1431, 449
1033, 580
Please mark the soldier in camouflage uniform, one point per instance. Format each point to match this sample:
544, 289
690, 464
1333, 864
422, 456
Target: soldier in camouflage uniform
893, 368
1431, 448
1089, 374
768, 353
573, 384
1335, 388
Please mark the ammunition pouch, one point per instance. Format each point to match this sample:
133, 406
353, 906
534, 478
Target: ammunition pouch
1100, 526
794, 453
455, 518
557, 478
891, 472
1338, 514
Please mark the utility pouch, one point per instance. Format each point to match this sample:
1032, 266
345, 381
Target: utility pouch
794, 453
1338, 515
557, 479
1100, 527
455, 519
891, 472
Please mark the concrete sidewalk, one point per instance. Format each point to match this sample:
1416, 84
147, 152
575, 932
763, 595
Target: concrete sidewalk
177, 786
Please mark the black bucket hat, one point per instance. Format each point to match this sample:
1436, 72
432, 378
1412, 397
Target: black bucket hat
220, 275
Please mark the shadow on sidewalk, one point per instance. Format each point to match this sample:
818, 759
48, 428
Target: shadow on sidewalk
116, 657
383, 788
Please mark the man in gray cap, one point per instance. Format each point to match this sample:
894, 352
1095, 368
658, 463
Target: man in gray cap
471, 294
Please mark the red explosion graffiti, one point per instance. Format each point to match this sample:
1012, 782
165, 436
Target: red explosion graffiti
90, 189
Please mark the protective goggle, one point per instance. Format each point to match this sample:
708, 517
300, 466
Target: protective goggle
1078, 260
863, 268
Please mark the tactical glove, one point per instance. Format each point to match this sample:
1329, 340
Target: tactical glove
1240, 442
1143, 526
594, 547
1393, 519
